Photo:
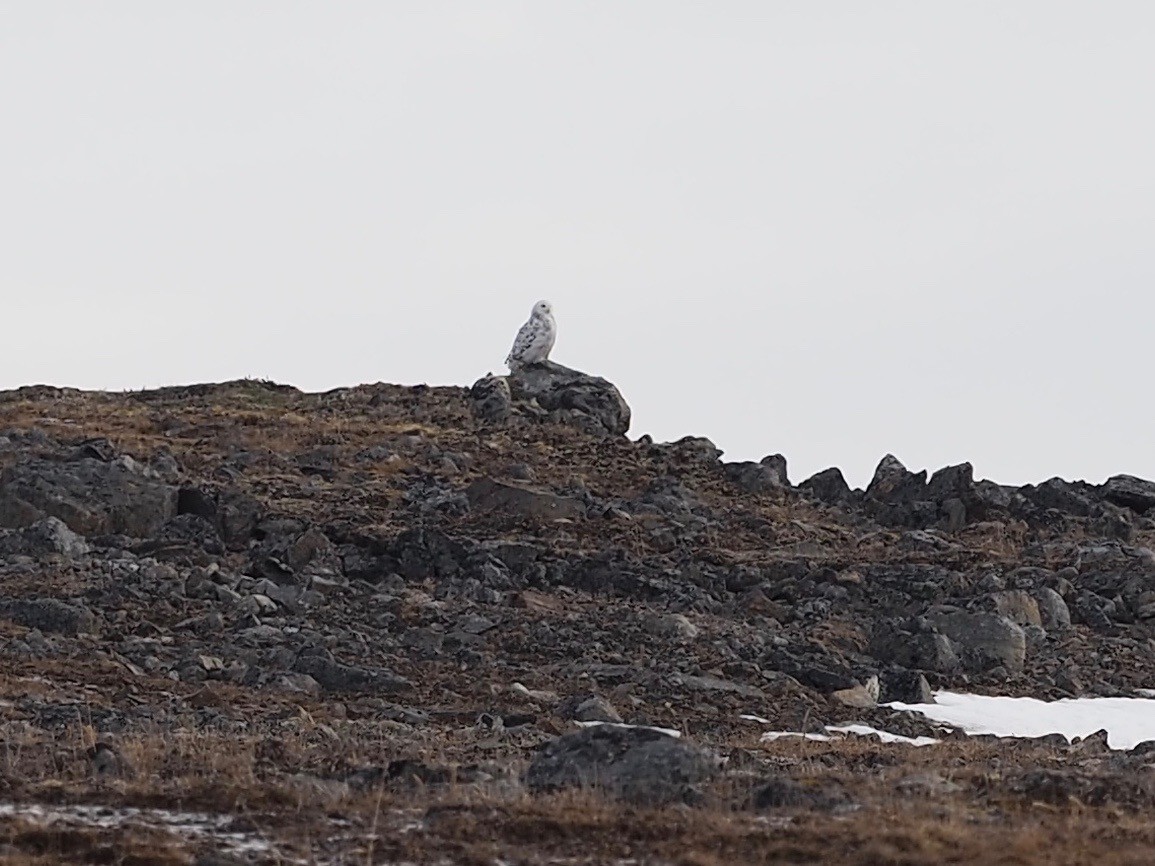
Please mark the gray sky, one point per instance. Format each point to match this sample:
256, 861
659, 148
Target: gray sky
830, 229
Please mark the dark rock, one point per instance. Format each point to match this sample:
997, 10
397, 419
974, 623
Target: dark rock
638, 765
334, 676
44, 537
912, 648
984, 640
49, 615
759, 477
828, 486
1138, 494
487, 494
907, 687
192, 500
894, 483
1053, 610
588, 708
491, 399
573, 397
1018, 606
92, 497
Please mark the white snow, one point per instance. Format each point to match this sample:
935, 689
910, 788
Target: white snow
1128, 721
839, 731
770, 736
669, 732
190, 825
885, 736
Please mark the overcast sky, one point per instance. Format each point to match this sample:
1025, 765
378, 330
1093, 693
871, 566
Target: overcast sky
829, 229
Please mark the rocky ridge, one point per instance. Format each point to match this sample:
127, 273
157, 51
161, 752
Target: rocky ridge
503, 558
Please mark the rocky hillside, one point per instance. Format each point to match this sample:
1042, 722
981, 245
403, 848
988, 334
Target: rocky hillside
503, 559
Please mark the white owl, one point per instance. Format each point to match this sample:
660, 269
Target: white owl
535, 339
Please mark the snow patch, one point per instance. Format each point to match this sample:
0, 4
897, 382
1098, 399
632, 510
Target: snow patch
669, 732
1128, 721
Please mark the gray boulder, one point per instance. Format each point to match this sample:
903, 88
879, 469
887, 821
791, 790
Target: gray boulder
44, 537
984, 640
572, 397
762, 477
490, 399
48, 615
91, 496
641, 766
334, 676
1138, 494
487, 494
828, 486
1053, 610
894, 483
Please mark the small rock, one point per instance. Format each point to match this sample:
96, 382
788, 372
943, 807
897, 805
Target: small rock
1053, 611
907, 687
1018, 606
490, 399
592, 708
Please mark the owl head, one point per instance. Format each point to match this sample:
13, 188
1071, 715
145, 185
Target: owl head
543, 308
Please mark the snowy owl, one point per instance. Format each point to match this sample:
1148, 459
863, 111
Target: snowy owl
535, 339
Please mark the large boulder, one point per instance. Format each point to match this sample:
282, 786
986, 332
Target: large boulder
642, 766
984, 640
767, 475
522, 500
1138, 494
828, 486
91, 496
572, 397
43, 538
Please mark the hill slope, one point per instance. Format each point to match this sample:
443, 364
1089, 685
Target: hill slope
260, 597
